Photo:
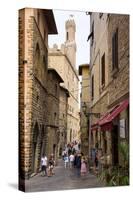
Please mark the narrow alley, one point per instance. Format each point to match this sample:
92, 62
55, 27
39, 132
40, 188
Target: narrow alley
63, 179
71, 109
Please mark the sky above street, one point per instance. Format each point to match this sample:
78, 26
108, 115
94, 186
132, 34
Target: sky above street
82, 32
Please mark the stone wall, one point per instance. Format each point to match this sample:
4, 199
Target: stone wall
21, 94
100, 107
39, 105
63, 105
32, 93
53, 82
119, 85
25, 91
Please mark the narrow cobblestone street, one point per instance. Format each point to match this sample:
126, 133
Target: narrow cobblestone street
64, 179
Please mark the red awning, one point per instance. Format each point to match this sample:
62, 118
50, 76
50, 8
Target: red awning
106, 127
103, 119
105, 122
114, 113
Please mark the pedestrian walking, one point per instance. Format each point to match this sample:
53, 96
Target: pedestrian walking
75, 159
78, 164
96, 160
71, 158
83, 166
44, 165
51, 166
66, 160
63, 154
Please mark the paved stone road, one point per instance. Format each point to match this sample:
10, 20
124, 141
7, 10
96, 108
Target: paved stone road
63, 179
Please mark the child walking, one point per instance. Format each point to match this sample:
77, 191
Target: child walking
83, 166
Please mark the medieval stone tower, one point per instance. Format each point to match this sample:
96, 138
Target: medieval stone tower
70, 44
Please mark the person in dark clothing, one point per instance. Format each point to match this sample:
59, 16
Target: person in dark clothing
69, 151
75, 160
51, 166
78, 164
96, 159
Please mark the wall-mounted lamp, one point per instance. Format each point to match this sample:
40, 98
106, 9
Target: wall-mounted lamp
88, 114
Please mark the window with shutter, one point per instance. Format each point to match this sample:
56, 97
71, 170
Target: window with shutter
103, 70
115, 50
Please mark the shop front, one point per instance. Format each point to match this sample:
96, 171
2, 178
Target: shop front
109, 131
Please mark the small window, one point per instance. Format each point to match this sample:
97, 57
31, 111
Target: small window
115, 50
55, 115
103, 70
67, 35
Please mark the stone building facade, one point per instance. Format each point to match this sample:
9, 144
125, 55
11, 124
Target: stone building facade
109, 63
84, 72
34, 27
63, 106
53, 103
118, 40
119, 75
98, 74
63, 60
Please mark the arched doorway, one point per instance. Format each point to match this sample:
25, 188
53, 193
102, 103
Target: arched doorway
35, 145
43, 141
